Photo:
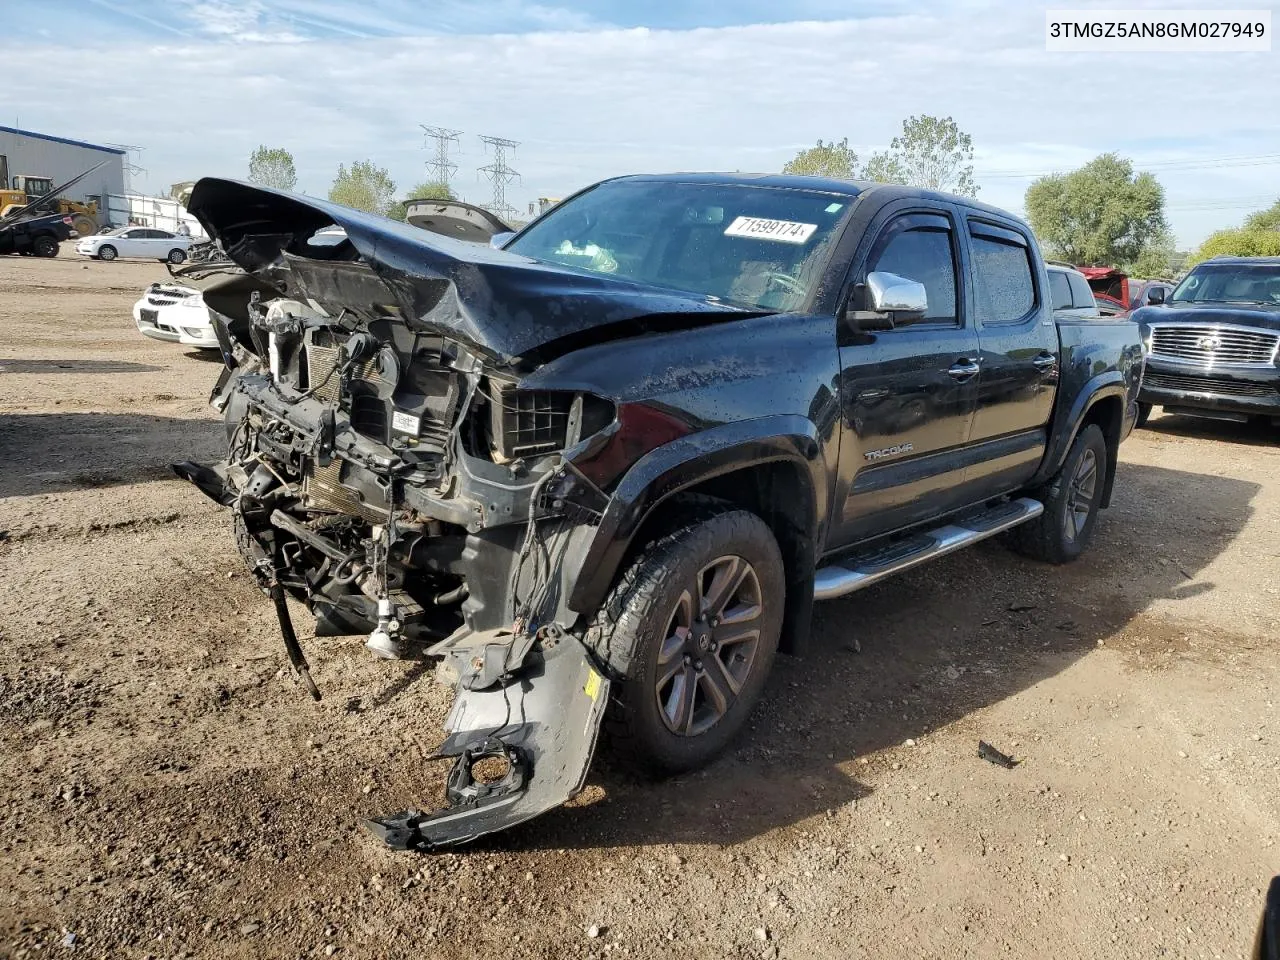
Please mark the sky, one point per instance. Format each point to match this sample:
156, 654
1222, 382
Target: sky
596, 89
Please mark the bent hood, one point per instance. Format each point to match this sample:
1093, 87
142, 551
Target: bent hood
500, 304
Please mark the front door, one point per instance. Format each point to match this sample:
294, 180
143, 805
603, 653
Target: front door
908, 394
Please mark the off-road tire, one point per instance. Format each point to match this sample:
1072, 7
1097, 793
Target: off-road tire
1144, 414
627, 634
1048, 537
107, 252
44, 246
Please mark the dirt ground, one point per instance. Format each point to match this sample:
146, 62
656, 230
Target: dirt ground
166, 790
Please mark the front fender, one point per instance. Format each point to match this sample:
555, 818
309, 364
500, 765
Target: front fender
680, 465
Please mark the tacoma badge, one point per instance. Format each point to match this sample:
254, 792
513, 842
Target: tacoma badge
885, 452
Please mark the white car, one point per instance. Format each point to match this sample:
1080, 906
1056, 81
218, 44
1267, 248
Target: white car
136, 242
176, 314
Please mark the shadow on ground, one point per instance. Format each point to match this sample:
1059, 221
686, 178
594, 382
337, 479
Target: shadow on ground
76, 366
936, 644
56, 452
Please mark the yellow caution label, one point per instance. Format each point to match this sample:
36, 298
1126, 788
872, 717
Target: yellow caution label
593, 684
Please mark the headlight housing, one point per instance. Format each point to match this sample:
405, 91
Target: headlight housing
530, 423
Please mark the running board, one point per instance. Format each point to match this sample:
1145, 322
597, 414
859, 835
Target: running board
861, 570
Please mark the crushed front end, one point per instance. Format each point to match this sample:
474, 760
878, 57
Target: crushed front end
407, 488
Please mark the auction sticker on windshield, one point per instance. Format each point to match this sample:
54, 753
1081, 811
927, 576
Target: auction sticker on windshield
786, 231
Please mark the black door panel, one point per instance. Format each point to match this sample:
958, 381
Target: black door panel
908, 395
1018, 340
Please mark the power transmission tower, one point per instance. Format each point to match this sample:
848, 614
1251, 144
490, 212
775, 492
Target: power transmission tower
440, 169
132, 163
500, 175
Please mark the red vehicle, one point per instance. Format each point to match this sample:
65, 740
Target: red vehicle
1117, 293
1110, 288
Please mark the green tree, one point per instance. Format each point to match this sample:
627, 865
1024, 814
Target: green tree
273, 167
1241, 242
825, 160
1100, 214
931, 152
1268, 219
427, 190
1158, 258
365, 186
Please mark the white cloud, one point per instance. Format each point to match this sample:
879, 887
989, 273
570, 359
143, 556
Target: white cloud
591, 104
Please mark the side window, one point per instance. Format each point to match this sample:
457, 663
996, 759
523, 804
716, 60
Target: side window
1059, 290
1081, 294
161, 235
1004, 287
920, 248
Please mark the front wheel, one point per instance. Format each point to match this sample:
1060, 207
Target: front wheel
1071, 503
177, 256
690, 631
44, 246
106, 252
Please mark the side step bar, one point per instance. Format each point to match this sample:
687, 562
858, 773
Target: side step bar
861, 570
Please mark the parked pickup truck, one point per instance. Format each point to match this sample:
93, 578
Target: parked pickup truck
600, 475
1212, 346
35, 236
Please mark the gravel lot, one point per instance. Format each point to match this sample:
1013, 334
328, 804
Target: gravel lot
166, 790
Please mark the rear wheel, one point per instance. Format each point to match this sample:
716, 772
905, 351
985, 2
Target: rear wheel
106, 252
83, 224
44, 246
1071, 503
690, 632
1144, 414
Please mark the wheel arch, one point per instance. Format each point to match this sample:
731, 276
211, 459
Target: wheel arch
1102, 401
771, 466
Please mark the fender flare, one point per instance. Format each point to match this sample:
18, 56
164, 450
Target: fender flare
676, 466
1110, 383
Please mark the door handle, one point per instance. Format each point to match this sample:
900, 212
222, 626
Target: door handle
963, 369
1045, 361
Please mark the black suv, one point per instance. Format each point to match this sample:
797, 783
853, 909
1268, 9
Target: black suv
1212, 346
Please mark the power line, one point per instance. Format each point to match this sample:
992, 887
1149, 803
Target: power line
500, 174
441, 168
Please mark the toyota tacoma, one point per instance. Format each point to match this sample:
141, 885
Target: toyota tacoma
600, 471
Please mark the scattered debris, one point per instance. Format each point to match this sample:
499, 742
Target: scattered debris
594, 931
989, 753
1021, 607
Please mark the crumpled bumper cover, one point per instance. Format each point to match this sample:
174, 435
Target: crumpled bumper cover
542, 728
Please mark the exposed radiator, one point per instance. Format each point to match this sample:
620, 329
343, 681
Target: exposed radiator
323, 486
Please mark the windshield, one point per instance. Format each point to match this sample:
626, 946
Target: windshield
759, 247
1230, 283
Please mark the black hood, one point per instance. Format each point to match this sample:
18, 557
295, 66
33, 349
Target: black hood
1241, 315
503, 305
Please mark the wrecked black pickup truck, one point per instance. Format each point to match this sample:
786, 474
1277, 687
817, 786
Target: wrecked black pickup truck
601, 474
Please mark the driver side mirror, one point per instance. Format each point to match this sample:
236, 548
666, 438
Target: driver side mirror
1155, 296
889, 299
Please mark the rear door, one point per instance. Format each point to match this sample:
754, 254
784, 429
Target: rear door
908, 394
1018, 339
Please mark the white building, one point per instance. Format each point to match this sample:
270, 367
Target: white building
25, 153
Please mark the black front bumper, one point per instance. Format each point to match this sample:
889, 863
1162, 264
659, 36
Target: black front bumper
1239, 391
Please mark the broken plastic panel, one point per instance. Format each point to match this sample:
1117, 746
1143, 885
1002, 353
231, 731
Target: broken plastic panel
538, 730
